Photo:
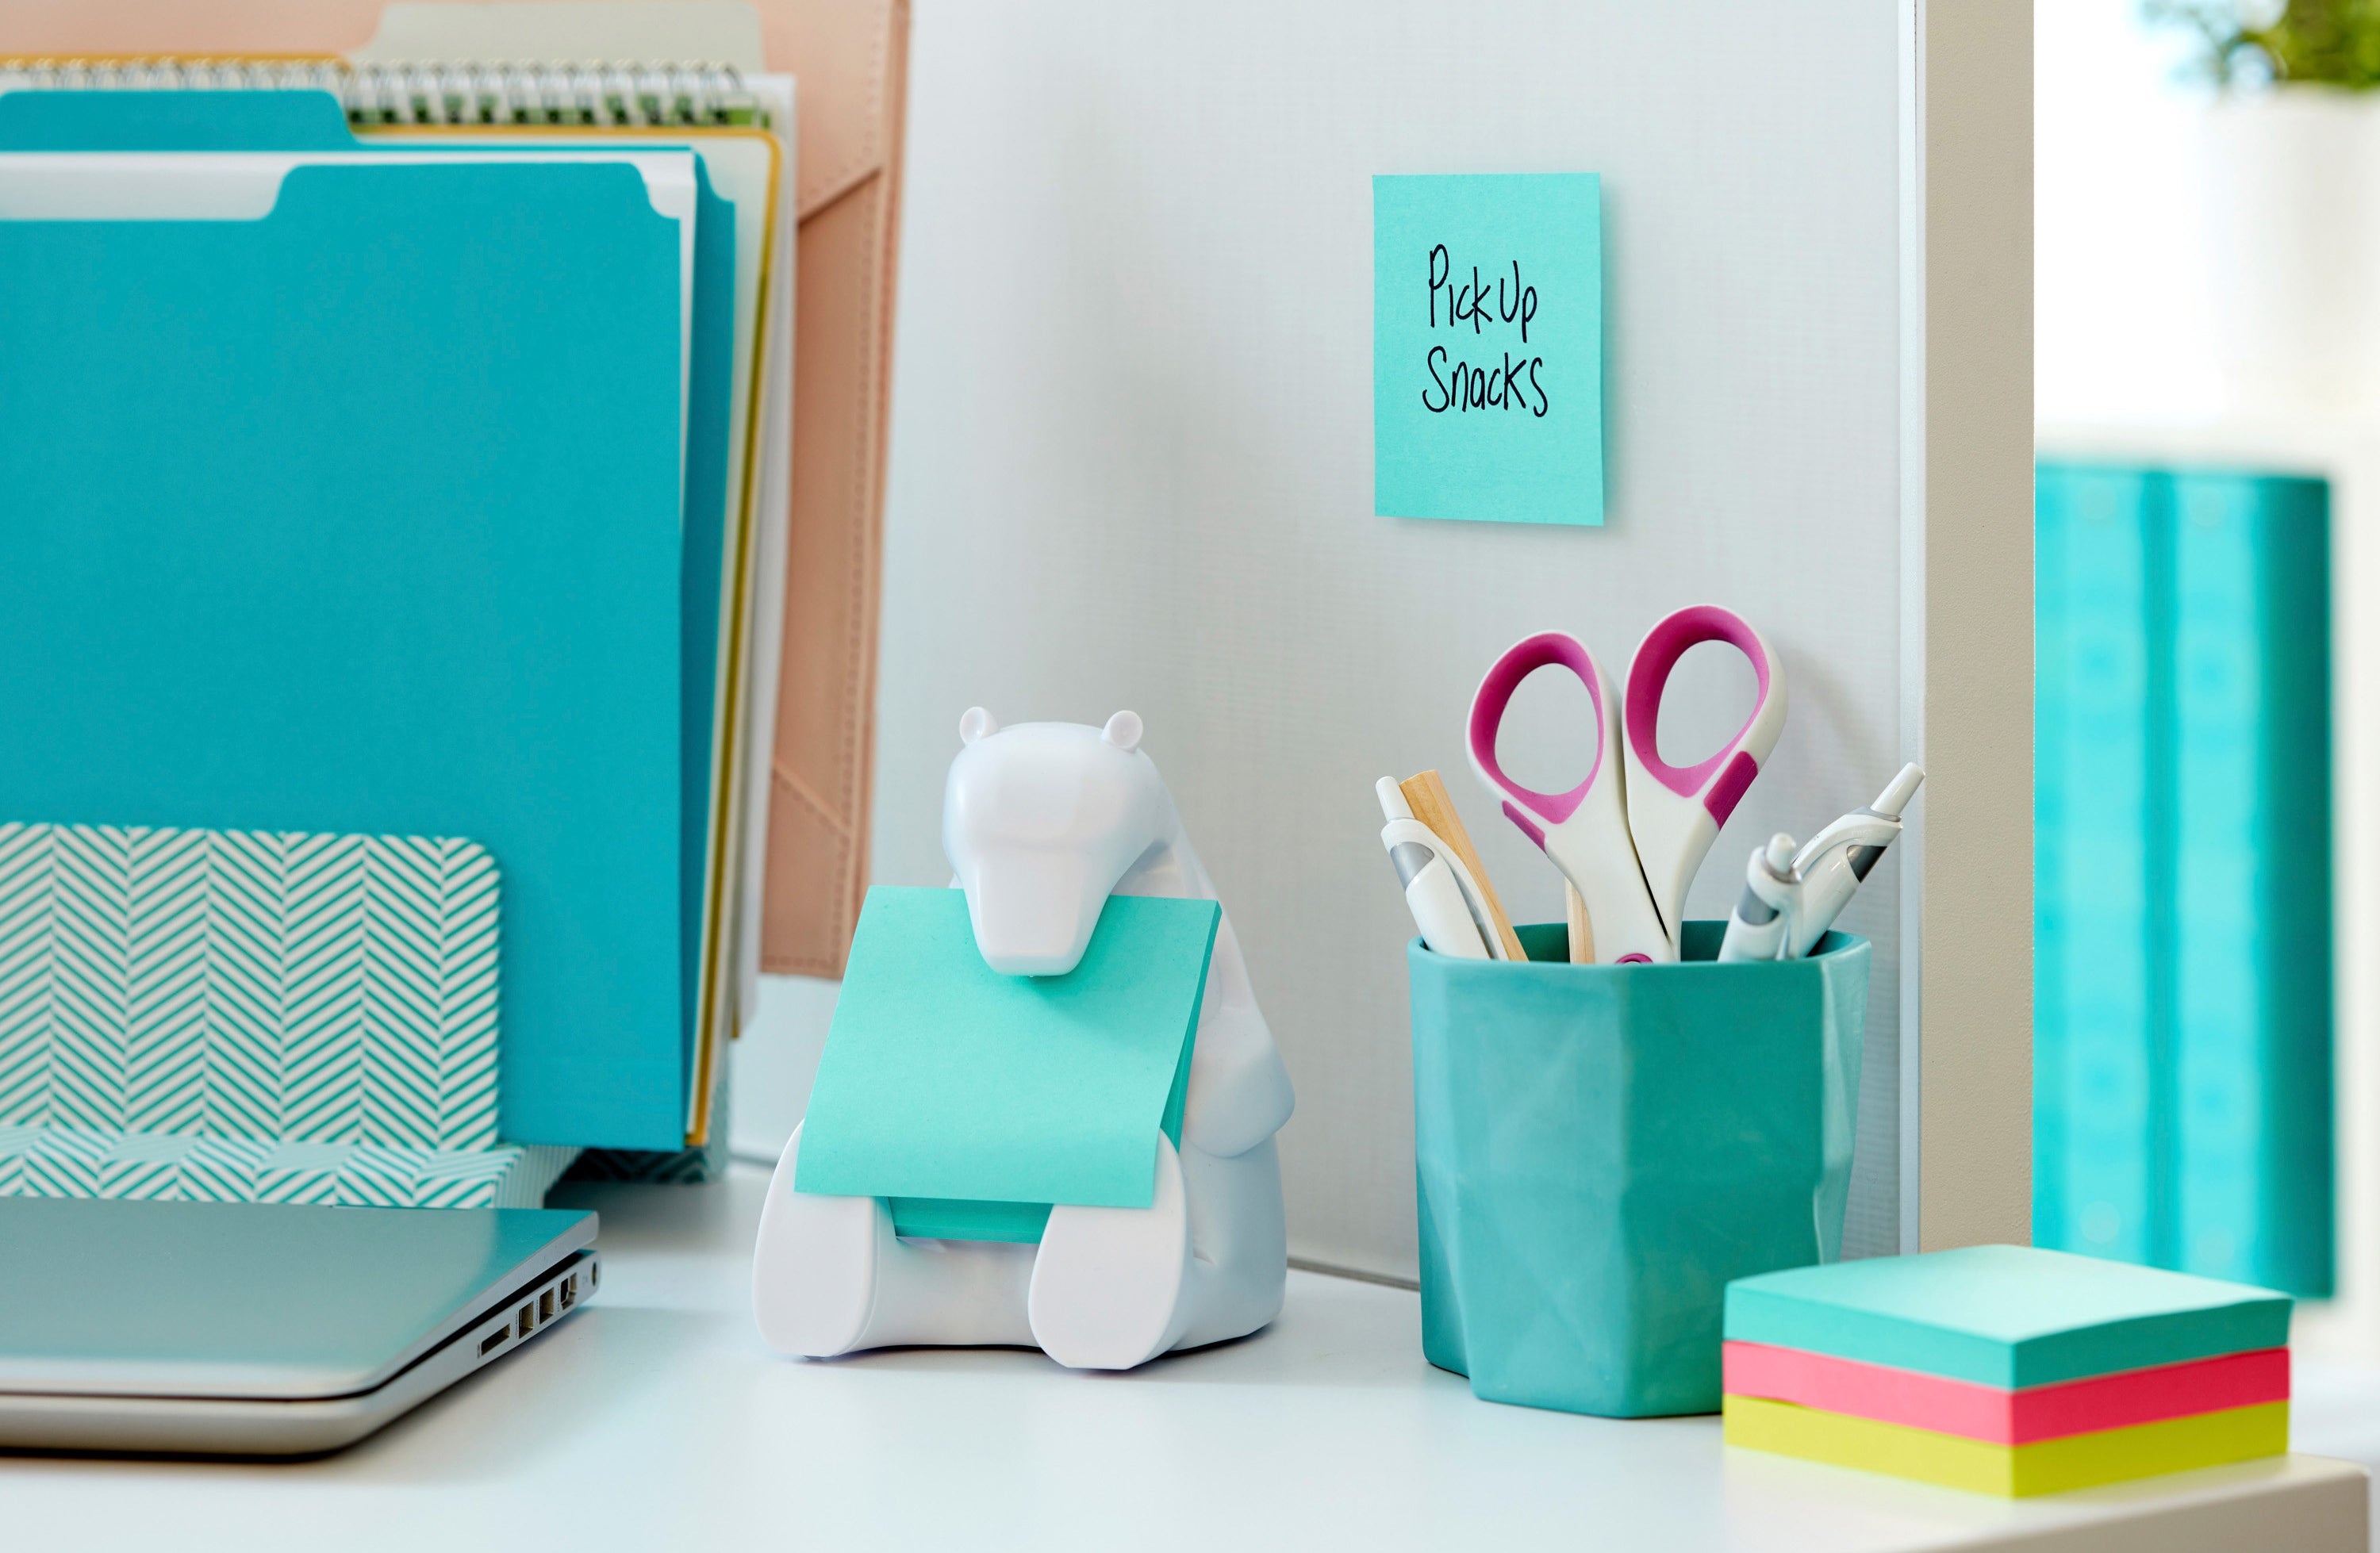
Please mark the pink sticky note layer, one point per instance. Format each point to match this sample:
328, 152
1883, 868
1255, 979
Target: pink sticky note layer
1999, 1417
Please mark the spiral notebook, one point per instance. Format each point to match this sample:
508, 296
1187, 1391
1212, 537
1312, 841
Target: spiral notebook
551, 472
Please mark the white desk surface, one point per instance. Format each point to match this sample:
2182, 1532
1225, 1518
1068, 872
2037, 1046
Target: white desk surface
656, 1419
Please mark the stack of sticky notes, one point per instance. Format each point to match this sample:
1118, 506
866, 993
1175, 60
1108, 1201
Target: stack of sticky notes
975, 1101
2005, 1369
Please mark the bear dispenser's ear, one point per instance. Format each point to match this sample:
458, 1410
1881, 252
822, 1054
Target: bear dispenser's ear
1122, 731
977, 725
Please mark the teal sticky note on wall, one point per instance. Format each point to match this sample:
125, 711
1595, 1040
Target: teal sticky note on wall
944, 1082
1488, 346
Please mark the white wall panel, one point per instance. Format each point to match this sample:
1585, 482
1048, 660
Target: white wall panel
1131, 452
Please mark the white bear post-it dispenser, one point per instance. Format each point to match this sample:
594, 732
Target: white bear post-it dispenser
1043, 823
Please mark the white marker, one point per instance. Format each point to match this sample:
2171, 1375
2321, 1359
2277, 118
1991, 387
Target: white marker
1438, 890
1762, 919
1833, 863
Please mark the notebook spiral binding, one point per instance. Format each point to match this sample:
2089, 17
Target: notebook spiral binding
613, 95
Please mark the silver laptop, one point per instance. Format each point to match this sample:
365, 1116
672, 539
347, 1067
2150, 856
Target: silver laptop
266, 1330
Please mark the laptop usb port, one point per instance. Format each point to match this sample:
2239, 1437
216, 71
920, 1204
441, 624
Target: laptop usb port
569, 1289
527, 1318
545, 1305
488, 1344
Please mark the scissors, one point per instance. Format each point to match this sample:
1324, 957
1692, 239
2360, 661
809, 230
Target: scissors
1629, 837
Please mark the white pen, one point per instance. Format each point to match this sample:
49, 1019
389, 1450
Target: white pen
1832, 864
1763, 920
1438, 888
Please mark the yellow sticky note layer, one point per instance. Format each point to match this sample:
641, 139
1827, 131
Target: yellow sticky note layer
2049, 1466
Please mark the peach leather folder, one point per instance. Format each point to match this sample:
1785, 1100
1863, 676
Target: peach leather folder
849, 59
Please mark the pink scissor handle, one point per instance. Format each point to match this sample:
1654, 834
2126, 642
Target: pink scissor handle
1546, 649
1649, 678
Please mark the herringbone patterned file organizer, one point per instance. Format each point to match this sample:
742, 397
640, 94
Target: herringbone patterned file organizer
252, 1016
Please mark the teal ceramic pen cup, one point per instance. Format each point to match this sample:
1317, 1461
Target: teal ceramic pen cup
1600, 1148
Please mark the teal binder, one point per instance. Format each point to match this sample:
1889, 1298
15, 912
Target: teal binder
2183, 926
367, 516
2252, 1187
2094, 1062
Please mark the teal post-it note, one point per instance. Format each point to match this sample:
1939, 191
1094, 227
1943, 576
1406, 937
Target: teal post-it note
2004, 1316
1488, 346
975, 1099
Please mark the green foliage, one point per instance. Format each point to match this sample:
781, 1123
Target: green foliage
2334, 42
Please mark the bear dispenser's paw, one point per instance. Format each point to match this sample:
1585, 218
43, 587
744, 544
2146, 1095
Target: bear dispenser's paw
1108, 1282
815, 1266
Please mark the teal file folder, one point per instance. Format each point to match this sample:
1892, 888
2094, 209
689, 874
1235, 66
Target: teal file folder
703, 541
64, 120
2182, 923
74, 121
365, 516
976, 1100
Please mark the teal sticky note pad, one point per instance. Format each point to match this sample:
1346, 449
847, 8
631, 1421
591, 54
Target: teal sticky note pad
975, 1099
1488, 346
2005, 1316
960, 1219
